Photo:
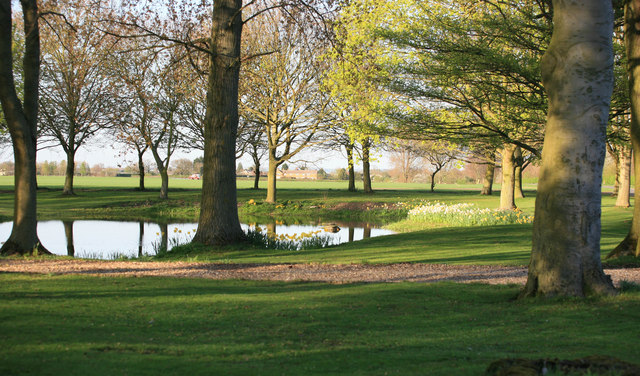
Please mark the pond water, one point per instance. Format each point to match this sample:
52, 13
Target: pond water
110, 239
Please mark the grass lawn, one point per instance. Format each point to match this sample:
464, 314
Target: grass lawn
54, 325
76, 325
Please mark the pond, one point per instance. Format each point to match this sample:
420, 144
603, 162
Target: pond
111, 239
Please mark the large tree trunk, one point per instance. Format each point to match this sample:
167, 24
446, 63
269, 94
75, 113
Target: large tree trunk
487, 186
141, 171
629, 245
624, 176
578, 77
352, 173
507, 191
272, 176
517, 173
69, 172
219, 223
366, 171
21, 121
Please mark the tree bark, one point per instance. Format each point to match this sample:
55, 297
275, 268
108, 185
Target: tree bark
21, 120
272, 176
141, 171
487, 186
577, 72
366, 171
69, 172
624, 175
616, 182
507, 191
517, 173
164, 183
629, 245
256, 167
433, 179
218, 223
352, 173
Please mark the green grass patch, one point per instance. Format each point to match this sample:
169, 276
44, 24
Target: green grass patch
72, 325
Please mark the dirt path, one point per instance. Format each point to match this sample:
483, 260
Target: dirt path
292, 272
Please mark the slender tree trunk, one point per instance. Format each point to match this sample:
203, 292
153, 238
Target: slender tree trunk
352, 173
352, 233
616, 162
507, 191
487, 186
219, 223
163, 170
624, 173
256, 166
21, 120
517, 173
433, 178
164, 185
630, 245
68, 234
366, 171
141, 172
578, 77
69, 172
272, 178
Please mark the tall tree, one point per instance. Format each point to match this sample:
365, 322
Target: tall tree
21, 118
285, 98
73, 96
577, 72
219, 222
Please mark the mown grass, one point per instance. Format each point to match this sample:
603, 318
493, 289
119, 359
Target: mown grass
53, 325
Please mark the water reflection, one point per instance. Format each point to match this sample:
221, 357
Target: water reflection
108, 239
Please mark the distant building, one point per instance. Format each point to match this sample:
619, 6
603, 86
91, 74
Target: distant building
249, 174
297, 174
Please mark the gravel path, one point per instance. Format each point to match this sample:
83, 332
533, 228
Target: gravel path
293, 272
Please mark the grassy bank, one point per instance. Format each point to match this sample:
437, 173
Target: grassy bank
54, 325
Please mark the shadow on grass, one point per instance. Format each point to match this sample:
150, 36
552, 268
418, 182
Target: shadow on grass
174, 326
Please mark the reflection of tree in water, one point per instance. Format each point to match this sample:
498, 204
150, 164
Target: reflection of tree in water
164, 233
367, 231
68, 233
141, 233
271, 229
